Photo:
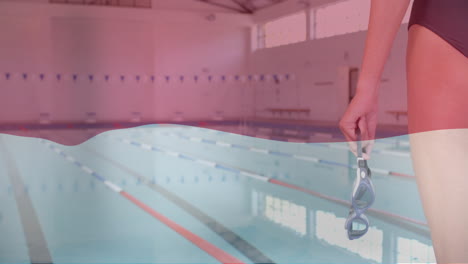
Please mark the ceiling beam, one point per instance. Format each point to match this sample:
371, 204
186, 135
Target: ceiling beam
273, 2
222, 6
243, 6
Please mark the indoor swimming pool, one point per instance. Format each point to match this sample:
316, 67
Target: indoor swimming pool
182, 194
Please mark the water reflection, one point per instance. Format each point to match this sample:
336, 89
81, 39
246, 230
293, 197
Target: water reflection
328, 228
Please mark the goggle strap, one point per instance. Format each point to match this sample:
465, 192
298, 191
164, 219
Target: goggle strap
359, 144
362, 163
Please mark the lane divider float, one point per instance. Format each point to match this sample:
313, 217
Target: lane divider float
299, 157
375, 212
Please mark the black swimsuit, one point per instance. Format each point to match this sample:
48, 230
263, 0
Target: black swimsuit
446, 18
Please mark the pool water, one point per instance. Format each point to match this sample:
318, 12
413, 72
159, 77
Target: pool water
181, 194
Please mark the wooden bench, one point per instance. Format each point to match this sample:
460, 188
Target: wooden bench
397, 114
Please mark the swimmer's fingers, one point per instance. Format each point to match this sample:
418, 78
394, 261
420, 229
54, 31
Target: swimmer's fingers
353, 147
362, 124
368, 145
349, 131
363, 127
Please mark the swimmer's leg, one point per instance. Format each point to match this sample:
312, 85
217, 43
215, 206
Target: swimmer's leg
440, 160
437, 103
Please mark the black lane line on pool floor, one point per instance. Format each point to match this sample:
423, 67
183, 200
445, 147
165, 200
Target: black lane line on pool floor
247, 249
35, 240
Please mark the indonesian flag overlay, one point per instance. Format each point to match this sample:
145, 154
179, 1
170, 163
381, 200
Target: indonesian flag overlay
163, 134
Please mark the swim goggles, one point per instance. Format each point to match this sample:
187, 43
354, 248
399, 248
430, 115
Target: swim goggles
363, 196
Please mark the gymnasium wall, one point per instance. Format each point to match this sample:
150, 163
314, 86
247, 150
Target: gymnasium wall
321, 68
112, 63
321, 84
176, 64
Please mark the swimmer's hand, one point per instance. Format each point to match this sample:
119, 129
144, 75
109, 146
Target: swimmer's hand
362, 113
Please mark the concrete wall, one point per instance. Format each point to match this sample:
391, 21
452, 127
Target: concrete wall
94, 42
321, 68
321, 76
173, 41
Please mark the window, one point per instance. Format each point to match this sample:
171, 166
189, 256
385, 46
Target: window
345, 17
286, 30
342, 18
413, 251
329, 227
286, 213
120, 3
